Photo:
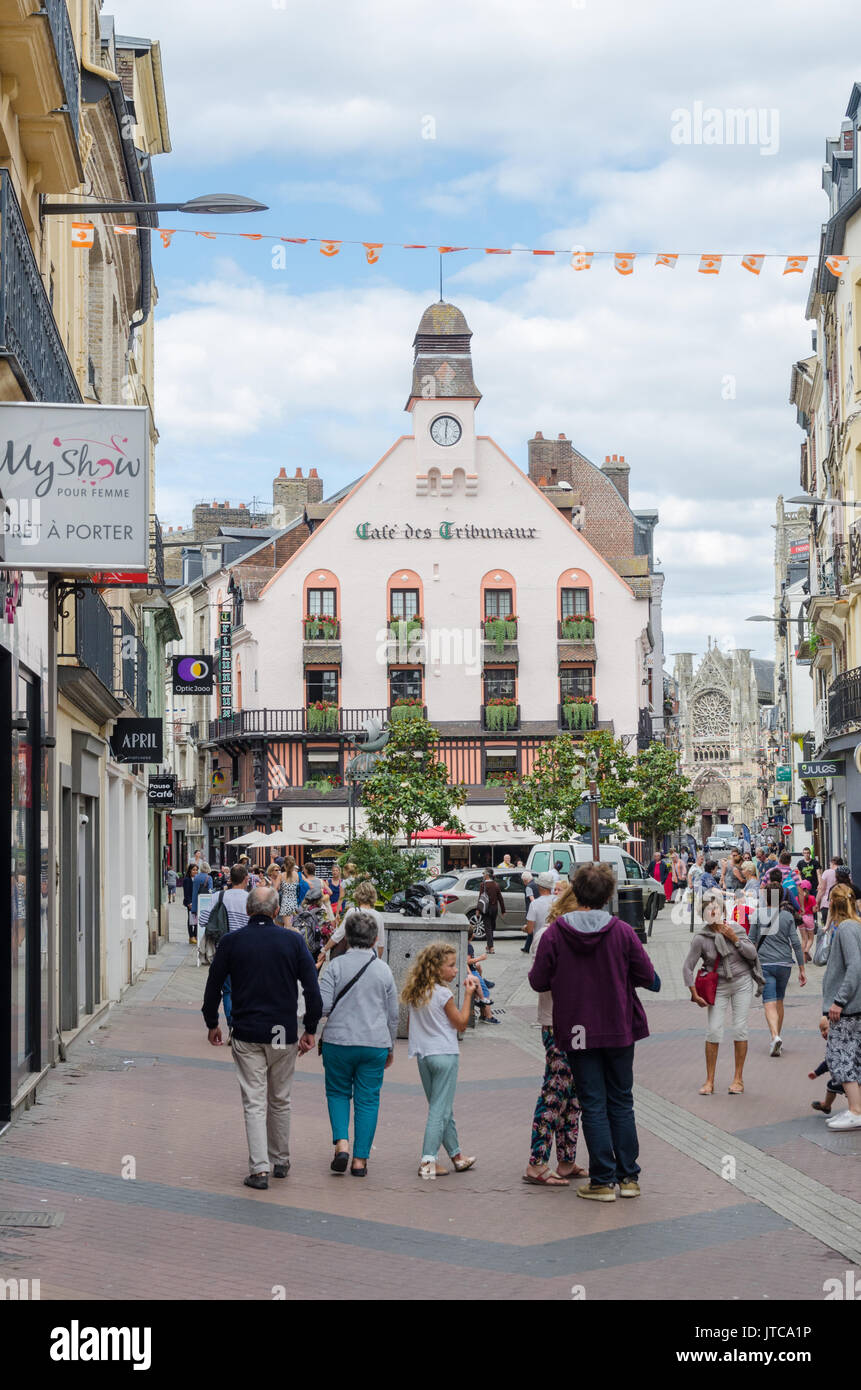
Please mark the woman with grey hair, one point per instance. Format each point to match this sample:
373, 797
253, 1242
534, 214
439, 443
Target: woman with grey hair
360, 1002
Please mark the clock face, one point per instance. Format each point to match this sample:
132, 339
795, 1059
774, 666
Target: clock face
445, 430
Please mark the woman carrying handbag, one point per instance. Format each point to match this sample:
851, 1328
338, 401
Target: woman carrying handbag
730, 975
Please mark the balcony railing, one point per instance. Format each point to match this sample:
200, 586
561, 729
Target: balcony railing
855, 552
185, 796
130, 663
577, 715
258, 723
576, 629
644, 729
156, 553
407, 712
29, 338
844, 701
67, 58
322, 629
94, 637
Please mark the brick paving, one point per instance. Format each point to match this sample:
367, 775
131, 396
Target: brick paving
148, 1088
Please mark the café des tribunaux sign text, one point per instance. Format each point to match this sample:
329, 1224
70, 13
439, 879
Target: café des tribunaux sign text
446, 531
75, 483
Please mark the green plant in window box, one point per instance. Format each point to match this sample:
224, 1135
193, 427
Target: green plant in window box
322, 716
578, 629
500, 712
407, 707
578, 711
405, 629
320, 626
501, 630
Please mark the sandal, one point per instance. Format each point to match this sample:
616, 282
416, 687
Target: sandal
817, 1105
575, 1172
706, 1090
545, 1179
736, 1089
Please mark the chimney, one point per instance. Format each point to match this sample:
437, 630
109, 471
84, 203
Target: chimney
538, 434
562, 436
242, 506
542, 482
299, 473
282, 472
618, 471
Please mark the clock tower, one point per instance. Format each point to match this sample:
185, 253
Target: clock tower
444, 394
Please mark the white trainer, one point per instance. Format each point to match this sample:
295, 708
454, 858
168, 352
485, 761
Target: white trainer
776, 1045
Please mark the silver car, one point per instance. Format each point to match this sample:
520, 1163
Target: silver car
459, 893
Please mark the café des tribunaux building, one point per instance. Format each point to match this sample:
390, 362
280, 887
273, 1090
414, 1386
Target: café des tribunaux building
446, 582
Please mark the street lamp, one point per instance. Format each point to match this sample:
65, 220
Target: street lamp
211, 204
805, 501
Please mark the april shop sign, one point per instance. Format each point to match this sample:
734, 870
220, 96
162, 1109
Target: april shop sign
75, 480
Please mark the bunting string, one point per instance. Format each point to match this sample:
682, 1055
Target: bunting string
83, 236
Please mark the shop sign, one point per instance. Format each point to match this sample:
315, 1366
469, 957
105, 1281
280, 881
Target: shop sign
75, 481
193, 675
225, 662
826, 767
161, 791
138, 741
446, 531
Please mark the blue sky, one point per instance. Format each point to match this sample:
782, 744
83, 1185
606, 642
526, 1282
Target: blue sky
552, 126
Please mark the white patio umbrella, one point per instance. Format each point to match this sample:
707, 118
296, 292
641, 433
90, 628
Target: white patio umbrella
255, 837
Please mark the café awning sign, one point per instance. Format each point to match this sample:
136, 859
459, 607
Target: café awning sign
75, 483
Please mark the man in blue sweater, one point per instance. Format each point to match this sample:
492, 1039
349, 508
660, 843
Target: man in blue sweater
266, 963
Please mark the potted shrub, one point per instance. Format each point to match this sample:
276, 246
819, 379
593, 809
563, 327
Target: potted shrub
501, 712
405, 629
407, 707
578, 711
501, 630
579, 629
320, 626
322, 716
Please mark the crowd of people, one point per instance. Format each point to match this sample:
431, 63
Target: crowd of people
760, 916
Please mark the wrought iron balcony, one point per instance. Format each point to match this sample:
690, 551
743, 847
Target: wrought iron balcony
260, 723
85, 655
130, 663
156, 553
29, 339
67, 59
844, 701
185, 796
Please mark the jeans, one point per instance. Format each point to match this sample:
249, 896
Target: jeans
354, 1073
489, 928
603, 1081
265, 1076
776, 980
227, 1001
439, 1078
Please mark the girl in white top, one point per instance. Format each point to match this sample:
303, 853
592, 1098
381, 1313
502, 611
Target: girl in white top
435, 1021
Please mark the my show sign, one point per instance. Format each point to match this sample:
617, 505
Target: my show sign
446, 531
75, 482
138, 741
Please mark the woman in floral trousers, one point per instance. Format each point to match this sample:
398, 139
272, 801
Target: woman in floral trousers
557, 1113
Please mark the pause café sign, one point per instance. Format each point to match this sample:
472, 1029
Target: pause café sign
138, 741
446, 531
160, 791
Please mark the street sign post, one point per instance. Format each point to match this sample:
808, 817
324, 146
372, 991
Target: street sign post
783, 773
787, 830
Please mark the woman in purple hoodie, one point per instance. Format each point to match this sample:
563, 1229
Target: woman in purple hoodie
592, 964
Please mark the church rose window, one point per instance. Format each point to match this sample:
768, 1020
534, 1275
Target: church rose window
711, 715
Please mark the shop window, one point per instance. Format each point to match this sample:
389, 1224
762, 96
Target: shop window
404, 603
576, 681
575, 603
321, 603
406, 685
323, 768
500, 682
500, 766
497, 603
321, 685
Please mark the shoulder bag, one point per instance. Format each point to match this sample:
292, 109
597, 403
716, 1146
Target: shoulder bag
345, 989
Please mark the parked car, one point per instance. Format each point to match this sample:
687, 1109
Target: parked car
459, 893
626, 868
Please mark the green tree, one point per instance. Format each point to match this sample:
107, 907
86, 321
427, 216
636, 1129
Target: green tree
661, 798
409, 789
390, 868
547, 800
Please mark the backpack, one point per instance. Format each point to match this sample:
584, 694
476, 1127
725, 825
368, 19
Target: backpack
307, 921
217, 926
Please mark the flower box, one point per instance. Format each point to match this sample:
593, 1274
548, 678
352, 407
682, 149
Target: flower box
405, 629
407, 707
502, 712
578, 712
322, 717
321, 628
580, 629
501, 630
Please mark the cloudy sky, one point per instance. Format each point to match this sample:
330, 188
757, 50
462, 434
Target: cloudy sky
498, 123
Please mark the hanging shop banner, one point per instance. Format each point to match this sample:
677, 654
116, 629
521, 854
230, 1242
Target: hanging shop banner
225, 662
161, 791
826, 767
75, 479
138, 741
193, 675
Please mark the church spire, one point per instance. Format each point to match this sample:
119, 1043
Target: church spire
442, 364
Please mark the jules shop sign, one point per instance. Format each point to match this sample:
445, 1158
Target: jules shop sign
446, 531
75, 482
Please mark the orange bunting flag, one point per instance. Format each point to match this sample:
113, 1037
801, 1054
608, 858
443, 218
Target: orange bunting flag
836, 263
582, 260
415, 246
252, 236
296, 240
372, 251
495, 251
753, 263
452, 248
123, 229
709, 265
166, 235
795, 265
668, 258
210, 236
83, 235
624, 262
329, 248
544, 253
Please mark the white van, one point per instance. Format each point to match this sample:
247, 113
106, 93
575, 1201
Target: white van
628, 871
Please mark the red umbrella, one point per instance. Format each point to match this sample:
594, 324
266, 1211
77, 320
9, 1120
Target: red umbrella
436, 832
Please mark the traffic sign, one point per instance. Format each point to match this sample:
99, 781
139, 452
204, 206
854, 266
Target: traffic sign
787, 830
783, 772
765, 825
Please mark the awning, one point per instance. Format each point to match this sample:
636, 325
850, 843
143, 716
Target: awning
492, 825
319, 825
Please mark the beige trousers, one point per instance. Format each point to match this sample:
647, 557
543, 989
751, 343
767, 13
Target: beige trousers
265, 1075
